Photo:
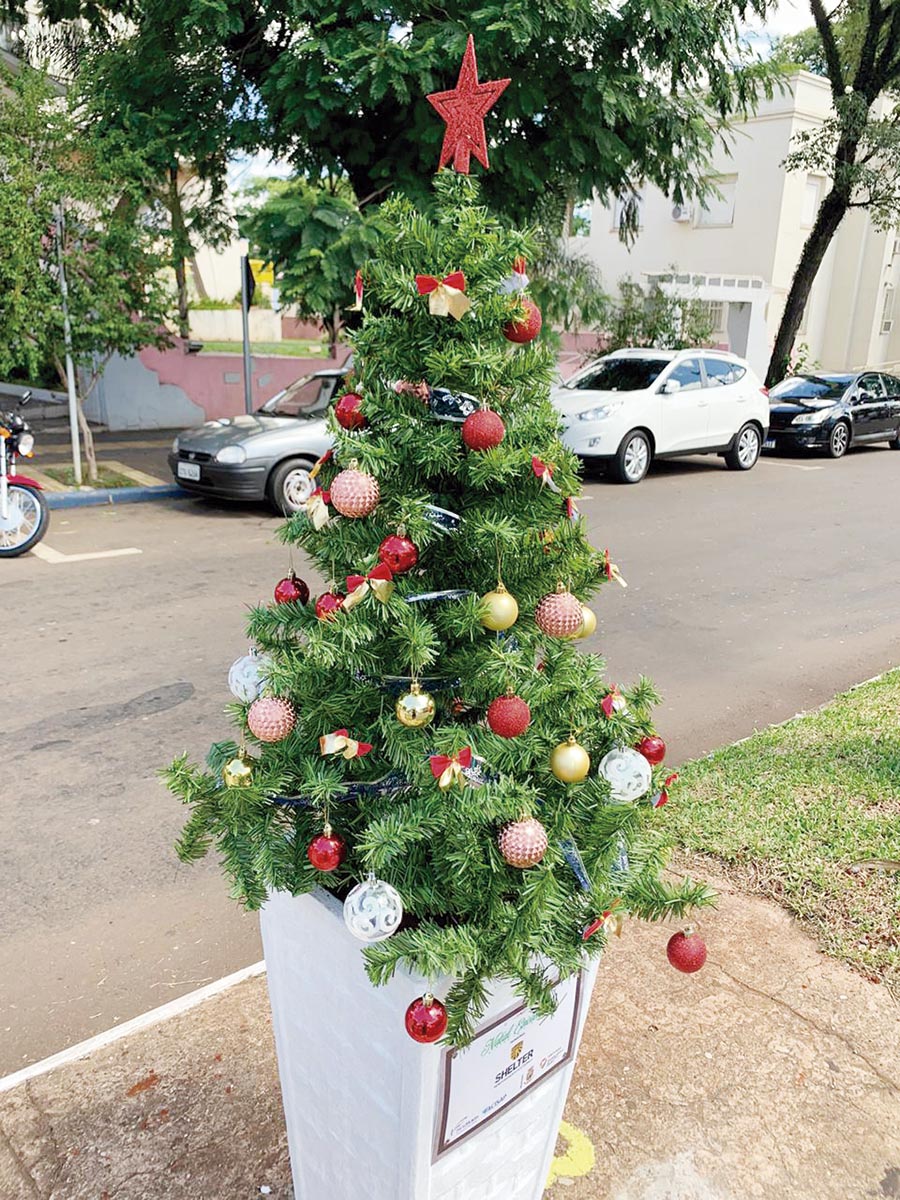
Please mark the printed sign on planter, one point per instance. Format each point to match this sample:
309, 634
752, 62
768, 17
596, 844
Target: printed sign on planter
504, 1061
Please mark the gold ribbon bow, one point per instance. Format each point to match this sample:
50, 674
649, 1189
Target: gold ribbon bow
317, 508
445, 296
379, 580
448, 769
340, 743
610, 922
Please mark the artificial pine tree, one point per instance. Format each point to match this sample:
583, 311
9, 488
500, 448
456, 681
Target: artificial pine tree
428, 725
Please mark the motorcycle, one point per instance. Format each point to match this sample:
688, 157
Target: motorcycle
24, 514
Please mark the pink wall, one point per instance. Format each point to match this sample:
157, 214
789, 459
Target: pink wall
215, 382
293, 327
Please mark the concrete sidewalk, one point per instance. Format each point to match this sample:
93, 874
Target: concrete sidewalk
770, 1075
141, 454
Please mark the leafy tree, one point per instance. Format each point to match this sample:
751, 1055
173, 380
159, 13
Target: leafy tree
117, 298
315, 237
653, 317
602, 98
857, 148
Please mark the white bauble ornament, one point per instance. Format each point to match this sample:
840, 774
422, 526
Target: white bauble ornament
246, 678
627, 772
373, 910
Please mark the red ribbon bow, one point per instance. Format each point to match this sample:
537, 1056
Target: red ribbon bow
612, 702
448, 768
430, 283
662, 796
571, 508
317, 507
379, 580
544, 472
611, 570
341, 743
358, 291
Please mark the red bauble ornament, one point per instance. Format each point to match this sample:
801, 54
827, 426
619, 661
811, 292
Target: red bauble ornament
523, 843
483, 429
426, 1019
329, 604
327, 851
653, 749
508, 715
271, 719
355, 493
559, 614
686, 951
291, 589
526, 330
398, 552
348, 411
464, 110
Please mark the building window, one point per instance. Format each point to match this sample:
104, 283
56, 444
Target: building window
887, 309
810, 201
581, 219
714, 311
719, 210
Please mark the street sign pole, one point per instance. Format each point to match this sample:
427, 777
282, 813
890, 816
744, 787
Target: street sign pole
67, 338
245, 322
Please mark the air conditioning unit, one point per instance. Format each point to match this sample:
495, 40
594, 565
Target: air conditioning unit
681, 212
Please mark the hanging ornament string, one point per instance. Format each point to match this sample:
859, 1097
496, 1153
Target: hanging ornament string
446, 297
341, 743
463, 109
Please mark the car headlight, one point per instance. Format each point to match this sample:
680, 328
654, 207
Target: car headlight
232, 455
598, 413
175, 446
813, 418
25, 443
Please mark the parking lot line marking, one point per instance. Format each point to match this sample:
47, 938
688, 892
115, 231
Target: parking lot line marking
48, 554
790, 466
154, 1017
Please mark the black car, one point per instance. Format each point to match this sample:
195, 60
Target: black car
833, 411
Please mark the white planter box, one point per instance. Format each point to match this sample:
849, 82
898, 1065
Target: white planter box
365, 1104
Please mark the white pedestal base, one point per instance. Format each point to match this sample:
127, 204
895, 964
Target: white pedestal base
362, 1100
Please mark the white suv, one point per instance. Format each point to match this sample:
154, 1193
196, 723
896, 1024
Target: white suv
634, 405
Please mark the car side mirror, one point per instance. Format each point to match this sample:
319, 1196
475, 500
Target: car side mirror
670, 387
863, 398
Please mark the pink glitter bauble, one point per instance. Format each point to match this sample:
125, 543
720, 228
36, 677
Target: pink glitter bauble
355, 493
523, 843
271, 719
559, 615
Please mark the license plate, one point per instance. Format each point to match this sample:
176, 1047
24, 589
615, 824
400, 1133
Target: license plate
189, 471
769, 444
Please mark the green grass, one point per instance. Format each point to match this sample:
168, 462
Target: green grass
108, 477
295, 347
795, 813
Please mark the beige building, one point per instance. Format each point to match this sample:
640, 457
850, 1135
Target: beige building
739, 252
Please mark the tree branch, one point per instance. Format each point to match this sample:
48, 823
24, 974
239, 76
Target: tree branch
866, 79
829, 46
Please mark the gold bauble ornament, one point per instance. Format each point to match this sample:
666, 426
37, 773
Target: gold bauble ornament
589, 622
238, 773
570, 762
500, 609
415, 708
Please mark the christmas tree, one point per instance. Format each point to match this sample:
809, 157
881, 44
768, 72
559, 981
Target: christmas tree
429, 741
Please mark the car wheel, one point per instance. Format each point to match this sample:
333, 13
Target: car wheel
839, 440
290, 485
744, 452
632, 460
895, 443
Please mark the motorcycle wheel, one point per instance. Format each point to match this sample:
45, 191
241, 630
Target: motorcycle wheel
26, 523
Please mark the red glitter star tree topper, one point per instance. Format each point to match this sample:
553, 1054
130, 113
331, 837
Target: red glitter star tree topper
464, 109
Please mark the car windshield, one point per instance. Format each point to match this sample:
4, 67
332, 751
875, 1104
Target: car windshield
811, 387
620, 375
306, 397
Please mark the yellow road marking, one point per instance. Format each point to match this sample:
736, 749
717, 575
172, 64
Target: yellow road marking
578, 1159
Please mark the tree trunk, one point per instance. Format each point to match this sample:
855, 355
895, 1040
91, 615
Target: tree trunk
180, 250
87, 441
333, 327
828, 218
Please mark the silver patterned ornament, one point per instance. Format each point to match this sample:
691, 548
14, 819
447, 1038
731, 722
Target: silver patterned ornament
627, 772
373, 910
246, 678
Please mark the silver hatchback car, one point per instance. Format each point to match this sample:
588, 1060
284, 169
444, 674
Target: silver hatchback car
266, 455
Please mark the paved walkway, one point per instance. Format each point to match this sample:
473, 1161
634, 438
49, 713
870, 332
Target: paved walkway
770, 1075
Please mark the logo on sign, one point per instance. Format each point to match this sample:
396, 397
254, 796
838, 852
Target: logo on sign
516, 1050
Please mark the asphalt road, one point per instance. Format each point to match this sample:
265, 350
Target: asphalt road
750, 598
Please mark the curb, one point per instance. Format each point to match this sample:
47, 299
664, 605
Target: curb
126, 495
